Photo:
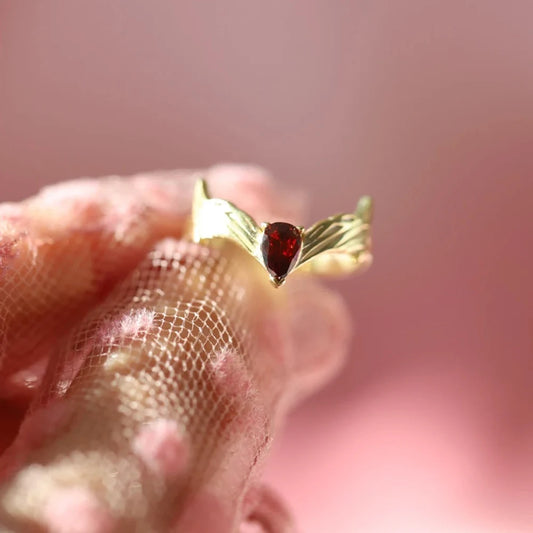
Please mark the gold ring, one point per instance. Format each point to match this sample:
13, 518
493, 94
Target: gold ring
337, 245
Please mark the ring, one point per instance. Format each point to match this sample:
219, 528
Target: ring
334, 246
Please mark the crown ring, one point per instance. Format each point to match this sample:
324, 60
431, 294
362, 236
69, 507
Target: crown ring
334, 246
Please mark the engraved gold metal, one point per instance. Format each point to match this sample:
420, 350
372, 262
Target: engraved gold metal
338, 245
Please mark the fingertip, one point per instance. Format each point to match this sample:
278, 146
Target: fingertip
255, 191
320, 328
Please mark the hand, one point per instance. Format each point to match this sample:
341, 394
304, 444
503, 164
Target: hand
157, 370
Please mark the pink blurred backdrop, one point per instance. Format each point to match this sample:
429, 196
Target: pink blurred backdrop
427, 106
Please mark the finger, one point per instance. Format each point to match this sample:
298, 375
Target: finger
160, 411
63, 250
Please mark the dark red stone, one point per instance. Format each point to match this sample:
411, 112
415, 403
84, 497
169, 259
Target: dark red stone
280, 248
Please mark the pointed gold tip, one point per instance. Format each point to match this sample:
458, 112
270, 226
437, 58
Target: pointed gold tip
277, 281
200, 196
365, 209
200, 190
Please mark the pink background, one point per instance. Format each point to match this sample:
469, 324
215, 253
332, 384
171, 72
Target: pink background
427, 106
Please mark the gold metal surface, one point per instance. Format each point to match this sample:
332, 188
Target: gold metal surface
338, 245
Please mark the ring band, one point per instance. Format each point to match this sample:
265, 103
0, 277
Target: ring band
334, 246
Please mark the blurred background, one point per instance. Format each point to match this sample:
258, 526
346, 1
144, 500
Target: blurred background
426, 105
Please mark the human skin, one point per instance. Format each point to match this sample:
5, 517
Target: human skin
167, 366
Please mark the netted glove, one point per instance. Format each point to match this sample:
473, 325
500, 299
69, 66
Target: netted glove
157, 371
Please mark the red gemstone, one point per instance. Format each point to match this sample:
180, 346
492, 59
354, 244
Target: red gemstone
280, 247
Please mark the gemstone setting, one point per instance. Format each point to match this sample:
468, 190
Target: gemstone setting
280, 247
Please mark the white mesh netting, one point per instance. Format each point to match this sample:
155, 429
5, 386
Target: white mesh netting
168, 365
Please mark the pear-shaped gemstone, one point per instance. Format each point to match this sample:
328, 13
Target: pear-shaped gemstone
280, 248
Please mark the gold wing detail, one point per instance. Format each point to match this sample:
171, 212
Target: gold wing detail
339, 244
217, 218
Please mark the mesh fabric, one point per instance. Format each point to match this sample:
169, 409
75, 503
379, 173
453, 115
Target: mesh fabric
168, 365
